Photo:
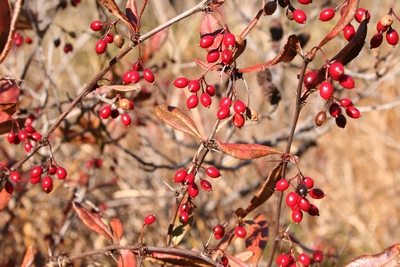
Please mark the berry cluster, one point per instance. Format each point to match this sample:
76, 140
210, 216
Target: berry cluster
288, 259
194, 86
133, 76
27, 134
37, 172
219, 49
107, 38
123, 105
19, 39
385, 25
297, 200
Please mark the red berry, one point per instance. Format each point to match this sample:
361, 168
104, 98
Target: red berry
35, 180
226, 56
304, 204
114, 113
205, 100
335, 110
219, 230
126, 119
313, 211
135, 76
308, 181
28, 40
327, 14
210, 89
148, 76
392, 37
346, 81
297, 215
310, 78
353, 112
11, 137
36, 171
181, 82
30, 129
36, 136
194, 86
240, 231
238, 120
179, 176
225, 102
229, 40
206, 41
239, 106
213, 172
150, 219
9, 187
326, 90
303, 258
341, 121
189, 179
376, 40
380, 28
126, 78
283, 260
318, 255
224, 260
316, 193
23, 136
223, 113
96, 25
193, 190
192, 101
100, 47
282, 185
349, 32
292, 199
15, 177
336, 69
346, 102
52, 170
28, 146
61, 173
206, 185
105, 112
109, 38
304, 2
299, 16
212, 56
184, 217
68, 48
360, 14
47, 184
138, 66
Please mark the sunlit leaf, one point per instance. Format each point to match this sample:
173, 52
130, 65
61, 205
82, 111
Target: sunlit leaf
247, 151
257, 237
121, 88
92, 221
287, 53
117, 229
390, 257
113, 8
174, 117
126, 258
29, 257
4, 199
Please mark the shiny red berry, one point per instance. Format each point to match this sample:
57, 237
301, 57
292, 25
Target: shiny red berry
193, 190
105, 112
327, 14
304, 204
36, 171
308, 181
109, 38
15, 177
148, 76
210, 89
150, 219
238, 120
194, 86
349, 32
206, 41
23, 136
226, 56
299, 16
392, 37
61, 173
212, 56
283, 260
184, 217
11, 137
376, 40
353, 112
126, 119
28, 146
239, 106
360, 15
282, 185
304, 2
223, 113
303, 258
96, 25
316, 193
318, 256
292, 199
192, 101
35, 136
336, 69
179, 176
225, 102
189, 179
311, 78
47, 184
380, 28
346, 102
326, 90
181, 82
206, 185
100, 47
213, 172
219, 230
346, 81
229, 40
240, 231
297, 215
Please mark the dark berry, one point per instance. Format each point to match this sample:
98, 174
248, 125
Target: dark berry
341, 121
114, 113
9, 187
313, 211
316, 193
335, 110
376, 40
301, 189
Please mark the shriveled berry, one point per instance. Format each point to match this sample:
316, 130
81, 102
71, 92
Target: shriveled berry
15, 177
318, 256
213, 172
100, 47
326, 90
206, 41
179, 176
316, 193
313, 211
225, 102
212, 56
240, 231
346, 81
292, 199
327, 14
184, 217
210, 89
349, 32
299, 16
193, 190
341, 121
376, 40
96, 25
392, 37
61, 173
36, 171
206, 185
320, 118
105, 112
239, 106
297, 215
282, 185
335, 110
238, 120
119, 40
303, 258
194, 86
353, 112
148, 76
226, 56
223, 113
126, 119
150, 219
192, 101
47, 184
308, 181
336, 69
181, 82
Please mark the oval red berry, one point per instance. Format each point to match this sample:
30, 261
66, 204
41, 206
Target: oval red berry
150, 219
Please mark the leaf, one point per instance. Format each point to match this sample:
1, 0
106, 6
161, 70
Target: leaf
247, 151
29, 257
390, 257
117, 229
4, 199
181, 230
126, 258
267, 189
7, 26
207, 66
92, 221
345, 19
174, 117
244, 255
210, 25
9, 93
131, 12
257, 237
113, 8
287, 53
121, 88
236, 262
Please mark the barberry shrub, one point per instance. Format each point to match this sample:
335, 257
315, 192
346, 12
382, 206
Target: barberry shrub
199, 133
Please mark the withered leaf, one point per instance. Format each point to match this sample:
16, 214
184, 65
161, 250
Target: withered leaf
113, 8
131, 12
121, 88
126, 258
92, 221
390, 257
257, 237
174, 117
287, 53
236, 262
4, 199
246, 151
5, 23
117, 229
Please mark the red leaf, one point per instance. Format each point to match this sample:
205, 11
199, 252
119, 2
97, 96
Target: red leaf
126, 258
9, 92
344, 20
5, 23
113, 8
174, 117
390, 257
287, 53
4, 198
117, 229
29, 257
92, 221
257, 237
247, 151
207, 66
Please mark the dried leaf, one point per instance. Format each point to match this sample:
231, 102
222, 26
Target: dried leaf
210, 25
121, 88
244, 255
287, 53
126, 258
174, 117
247, 151
257, 237
9, 93
117, 229
344, 20
228, 239
113, 8
29, 257
181, 230
390, 257
7, 26
6, 125
131, 12
92, 221
4, 199
207, 66
9, 108
266, 190
235, 262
